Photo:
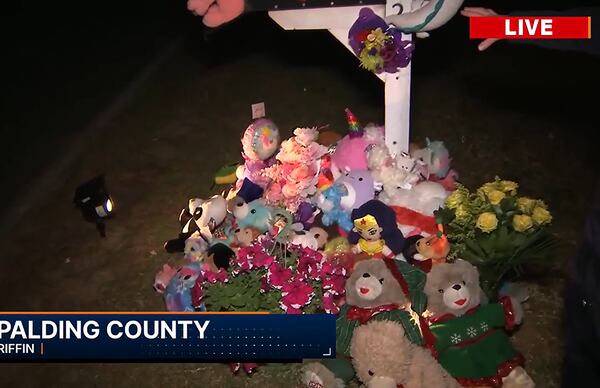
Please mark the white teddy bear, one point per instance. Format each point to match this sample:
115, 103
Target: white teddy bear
400, 185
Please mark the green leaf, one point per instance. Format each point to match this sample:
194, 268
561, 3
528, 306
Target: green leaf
508, 204
444, 216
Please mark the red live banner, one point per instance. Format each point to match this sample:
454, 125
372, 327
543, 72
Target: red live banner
530, 27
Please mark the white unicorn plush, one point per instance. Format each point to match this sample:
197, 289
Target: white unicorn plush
400, 186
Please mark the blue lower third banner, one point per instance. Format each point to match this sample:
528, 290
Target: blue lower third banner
165, 337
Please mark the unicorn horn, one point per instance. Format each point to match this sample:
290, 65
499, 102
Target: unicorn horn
353, 124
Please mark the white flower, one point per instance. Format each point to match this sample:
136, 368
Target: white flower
471, 332
305, 136
455, 338
484, 326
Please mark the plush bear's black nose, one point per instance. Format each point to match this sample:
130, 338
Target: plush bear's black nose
366, 275
456, 287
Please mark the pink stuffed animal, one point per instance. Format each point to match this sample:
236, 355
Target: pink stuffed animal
163, 277
216, 12
351, 152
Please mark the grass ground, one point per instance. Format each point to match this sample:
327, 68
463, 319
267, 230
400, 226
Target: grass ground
516, 112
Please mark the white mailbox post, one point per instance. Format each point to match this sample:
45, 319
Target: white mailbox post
397, 86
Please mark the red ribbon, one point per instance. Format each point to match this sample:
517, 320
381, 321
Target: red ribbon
508, 312
363, 315
495, 381
391, 265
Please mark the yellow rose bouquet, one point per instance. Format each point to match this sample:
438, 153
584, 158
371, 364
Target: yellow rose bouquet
496, 230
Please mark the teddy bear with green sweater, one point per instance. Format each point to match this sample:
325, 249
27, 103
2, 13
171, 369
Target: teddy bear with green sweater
377, 290
467, 337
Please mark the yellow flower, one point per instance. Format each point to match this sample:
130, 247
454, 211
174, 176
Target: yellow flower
370, 62
375, 39
509, 187
487, 222
456, 198
461, 213
495, 196
522, 222
525, 204
541, 216
488, 188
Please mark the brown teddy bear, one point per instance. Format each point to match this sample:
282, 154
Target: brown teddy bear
384, 358
467, 338
378, 289
373, 284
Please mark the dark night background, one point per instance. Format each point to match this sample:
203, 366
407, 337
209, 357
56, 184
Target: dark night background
517, 111
65, 61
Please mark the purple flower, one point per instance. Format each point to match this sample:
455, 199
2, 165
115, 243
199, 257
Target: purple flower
307, 265
296, 294
367, 21
396, 53
264, 285
197, 293
334, 284
213, 277
277, 276
290, 310
263, 260
329, 303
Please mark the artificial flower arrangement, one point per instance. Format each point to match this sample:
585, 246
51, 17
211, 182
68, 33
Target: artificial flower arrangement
379, 46
496, 230
295, 175
291, 279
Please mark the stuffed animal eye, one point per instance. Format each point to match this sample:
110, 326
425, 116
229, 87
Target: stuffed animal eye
366, 275
360, 179
441, 291
428, 243
317, 235
371, 373
186, 277
464, 283
381, 280
253, 211
237, 230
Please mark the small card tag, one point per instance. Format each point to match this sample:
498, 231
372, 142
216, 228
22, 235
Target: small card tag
258, 110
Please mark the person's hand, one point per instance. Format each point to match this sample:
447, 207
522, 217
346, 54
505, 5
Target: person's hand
216, 12
480, 11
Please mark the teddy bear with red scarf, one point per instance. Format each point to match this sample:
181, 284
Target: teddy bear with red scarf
469, 338
383, 296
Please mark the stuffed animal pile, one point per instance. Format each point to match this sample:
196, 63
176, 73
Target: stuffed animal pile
364, 220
